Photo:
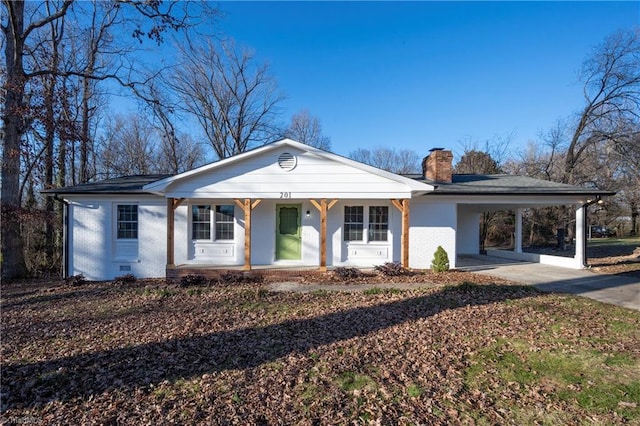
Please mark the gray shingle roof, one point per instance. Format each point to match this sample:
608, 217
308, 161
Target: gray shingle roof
506, 184
461, 185
119, 185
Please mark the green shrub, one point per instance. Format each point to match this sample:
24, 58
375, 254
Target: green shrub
440, 262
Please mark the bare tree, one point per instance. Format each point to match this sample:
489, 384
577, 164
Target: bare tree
14, 127
128, 147
611, 79
496, 147
307, 129
179, 152
234, 100
403, 161
147, 19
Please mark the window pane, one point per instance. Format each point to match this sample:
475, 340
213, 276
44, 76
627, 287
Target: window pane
378, 223
224, 222
288, 221
353, 223
127, 221
224, 213
201, 222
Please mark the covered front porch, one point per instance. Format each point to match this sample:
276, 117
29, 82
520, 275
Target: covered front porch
284, 235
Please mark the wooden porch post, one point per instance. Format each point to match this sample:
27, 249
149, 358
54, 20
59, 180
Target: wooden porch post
323, 207
403, 206
172, 205
247, 206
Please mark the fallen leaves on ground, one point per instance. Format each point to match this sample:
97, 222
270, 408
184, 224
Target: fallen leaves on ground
148, 353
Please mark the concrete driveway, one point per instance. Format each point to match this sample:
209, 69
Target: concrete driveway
618, 290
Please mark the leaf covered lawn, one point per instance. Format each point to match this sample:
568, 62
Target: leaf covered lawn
465, 353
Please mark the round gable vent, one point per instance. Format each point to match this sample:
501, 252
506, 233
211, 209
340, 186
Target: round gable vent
287, 162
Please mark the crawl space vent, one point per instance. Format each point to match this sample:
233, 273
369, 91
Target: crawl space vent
287, 162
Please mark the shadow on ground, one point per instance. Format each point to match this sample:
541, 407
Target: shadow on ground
79, 376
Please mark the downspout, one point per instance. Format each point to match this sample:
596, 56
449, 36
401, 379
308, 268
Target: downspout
65, 235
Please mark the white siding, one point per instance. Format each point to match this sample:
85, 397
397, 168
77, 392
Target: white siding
181, 236
468, 235
213, 252
362, 254
432, 225
94, 250
313, 177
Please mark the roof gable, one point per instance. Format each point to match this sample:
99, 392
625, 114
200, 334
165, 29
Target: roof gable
315, 173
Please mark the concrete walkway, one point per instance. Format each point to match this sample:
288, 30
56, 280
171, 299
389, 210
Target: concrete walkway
291, 286
615, 289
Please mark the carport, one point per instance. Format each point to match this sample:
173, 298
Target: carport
474, 195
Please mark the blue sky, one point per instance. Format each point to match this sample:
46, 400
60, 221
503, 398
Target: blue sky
419, 74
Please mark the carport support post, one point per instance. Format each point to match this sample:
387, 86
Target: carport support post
581, 252
518, 231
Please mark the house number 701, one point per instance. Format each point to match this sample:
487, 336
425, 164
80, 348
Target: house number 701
285, 195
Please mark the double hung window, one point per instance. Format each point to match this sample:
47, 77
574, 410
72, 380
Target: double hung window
353, 223
376, 223
201, 222
201, 225
224, 222
127, 222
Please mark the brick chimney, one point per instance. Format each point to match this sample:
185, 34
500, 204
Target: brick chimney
437, 166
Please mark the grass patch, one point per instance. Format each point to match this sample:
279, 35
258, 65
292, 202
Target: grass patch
630, 241
414, 391
598, 382
378, 290
350, 381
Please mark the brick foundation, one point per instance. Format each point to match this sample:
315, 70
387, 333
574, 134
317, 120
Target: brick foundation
285, 274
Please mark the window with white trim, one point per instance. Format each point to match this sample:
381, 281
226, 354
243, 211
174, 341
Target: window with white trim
376, 223
223, 219
353, 223
127, 222
224, 222
201, 222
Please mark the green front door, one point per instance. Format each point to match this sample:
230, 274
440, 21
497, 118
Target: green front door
288, 232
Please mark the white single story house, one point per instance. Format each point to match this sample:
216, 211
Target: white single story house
287, 204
